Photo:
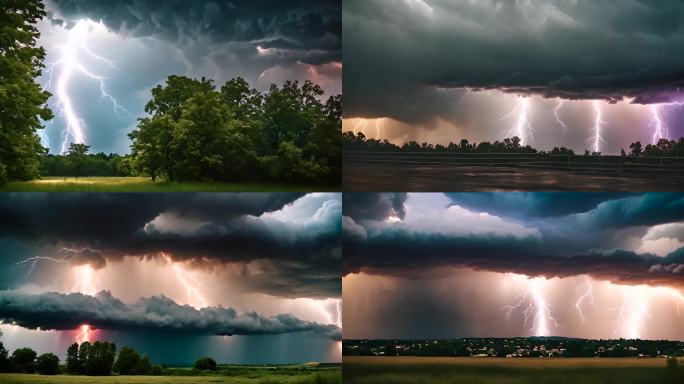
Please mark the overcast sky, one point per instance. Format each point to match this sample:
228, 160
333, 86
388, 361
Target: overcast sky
441, 70
605, 265
259, 273
140, 43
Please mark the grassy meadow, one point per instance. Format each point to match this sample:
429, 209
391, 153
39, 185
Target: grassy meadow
143, 184
470, 370
297, 374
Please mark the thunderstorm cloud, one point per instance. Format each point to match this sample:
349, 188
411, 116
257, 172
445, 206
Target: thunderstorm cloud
293, 238
55, 311
605, 236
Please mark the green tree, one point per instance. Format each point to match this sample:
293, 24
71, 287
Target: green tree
4, 358
73, 362
127, 361
22, 101
77, 155
205, 364
99, 358
47, 364
23, 360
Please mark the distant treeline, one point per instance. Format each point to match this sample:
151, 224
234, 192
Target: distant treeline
99, 164
93, 359
359, 142
515, 347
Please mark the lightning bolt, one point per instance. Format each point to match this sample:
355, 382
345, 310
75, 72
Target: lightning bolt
522, 127
32, 262
83, 334
339, 313
64, 69
632, 312
587, 295
598, 125
556, 110
377, 128
534, 308
194, 296
659, 128
361, 125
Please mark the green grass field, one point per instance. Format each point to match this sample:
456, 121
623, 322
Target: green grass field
438, 370
226, 374
144, 184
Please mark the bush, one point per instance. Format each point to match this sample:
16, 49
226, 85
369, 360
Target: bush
23, 360
205, 364
157, 370
47, 364
672, 362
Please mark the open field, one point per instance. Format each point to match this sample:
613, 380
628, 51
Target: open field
389, 370
143, 184
230, 375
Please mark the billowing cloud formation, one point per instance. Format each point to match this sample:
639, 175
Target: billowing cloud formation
293, 30
158, 314
374, 206
401, 56
530, 204
602, 241
293, 237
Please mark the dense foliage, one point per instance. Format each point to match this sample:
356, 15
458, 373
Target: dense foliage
96, 359
129, 362
198, 133
47, 364
359, 142
205, 364
22, 101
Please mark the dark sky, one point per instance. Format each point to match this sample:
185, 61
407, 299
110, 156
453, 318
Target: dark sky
197, 266
431, 256
437, 70
134, 45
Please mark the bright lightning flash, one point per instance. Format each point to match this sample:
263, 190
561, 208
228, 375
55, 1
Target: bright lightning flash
64, 68
659, 128
522, 127
534, 307
556, 110
598, 125
83, 334
194, 296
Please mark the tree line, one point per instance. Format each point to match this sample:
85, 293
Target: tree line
236, 133
358, 142
93, 359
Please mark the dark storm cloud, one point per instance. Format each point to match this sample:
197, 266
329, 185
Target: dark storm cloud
565, 243
374, 206
397, 253
531, 204
306, 31
400, 55
297, 260
156, 314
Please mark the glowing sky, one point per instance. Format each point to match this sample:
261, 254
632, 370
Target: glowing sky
104, 57
245, 278
443, 70
591, 265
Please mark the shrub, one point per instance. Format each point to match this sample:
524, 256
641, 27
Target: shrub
47, 364
157, 370
205, 364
